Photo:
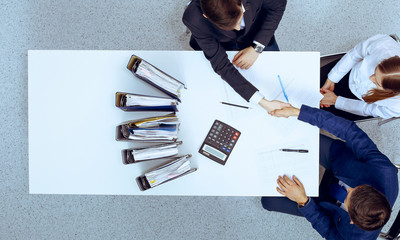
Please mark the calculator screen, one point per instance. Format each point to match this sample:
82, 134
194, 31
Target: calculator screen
214, 152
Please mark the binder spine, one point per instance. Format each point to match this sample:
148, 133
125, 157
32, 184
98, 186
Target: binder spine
133, 64
145, 185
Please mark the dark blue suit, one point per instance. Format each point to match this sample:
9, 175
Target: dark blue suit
355, 162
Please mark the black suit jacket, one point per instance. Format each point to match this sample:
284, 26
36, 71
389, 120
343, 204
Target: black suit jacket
261, 19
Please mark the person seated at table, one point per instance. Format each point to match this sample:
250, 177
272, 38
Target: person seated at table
373, 86
247, 26
359, 186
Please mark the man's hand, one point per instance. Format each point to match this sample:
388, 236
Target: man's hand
273, 105
328, 85
245, 58
286, 112
328, 99
294, 190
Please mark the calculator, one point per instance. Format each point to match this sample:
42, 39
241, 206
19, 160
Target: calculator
219, 142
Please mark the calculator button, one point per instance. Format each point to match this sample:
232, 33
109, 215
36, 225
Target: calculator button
228, 150
223, 148
236, 133
234, 137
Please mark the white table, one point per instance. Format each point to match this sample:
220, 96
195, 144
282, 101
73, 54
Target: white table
72, 120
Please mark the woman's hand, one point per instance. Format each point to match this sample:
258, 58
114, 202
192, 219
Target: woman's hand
328, 85
328, 99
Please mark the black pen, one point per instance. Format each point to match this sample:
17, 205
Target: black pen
294, 150
234, 105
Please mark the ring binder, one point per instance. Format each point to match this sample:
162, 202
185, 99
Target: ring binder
168, 171
154, 129
136, 102
155, 77
155, 152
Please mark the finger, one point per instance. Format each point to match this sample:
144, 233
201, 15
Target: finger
237, 56
283, 182
297, 181
280, 183
288, 181
280, 191
327, 105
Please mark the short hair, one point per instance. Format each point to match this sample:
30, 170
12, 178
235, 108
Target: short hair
223, 13
369, 209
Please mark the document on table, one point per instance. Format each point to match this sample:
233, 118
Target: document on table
272, 158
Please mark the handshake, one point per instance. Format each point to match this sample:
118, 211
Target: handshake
279, 109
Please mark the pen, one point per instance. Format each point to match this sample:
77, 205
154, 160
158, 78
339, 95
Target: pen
234, 105
283, 89
294, 150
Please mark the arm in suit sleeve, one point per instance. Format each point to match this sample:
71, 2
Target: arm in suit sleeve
320, 221
356, 139
273, 10
217, 56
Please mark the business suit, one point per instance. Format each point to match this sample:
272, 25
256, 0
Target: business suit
355, 162
261, 19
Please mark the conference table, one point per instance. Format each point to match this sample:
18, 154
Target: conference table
73, 119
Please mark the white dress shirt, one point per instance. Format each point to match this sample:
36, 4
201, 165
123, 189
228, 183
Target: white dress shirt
257, 96
362, 61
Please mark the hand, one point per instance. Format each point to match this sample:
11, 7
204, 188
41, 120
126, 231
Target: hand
294, 190
328, 99
328, 85
286, 112
245, 58
273, 105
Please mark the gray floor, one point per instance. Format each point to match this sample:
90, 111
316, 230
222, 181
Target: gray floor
308, 25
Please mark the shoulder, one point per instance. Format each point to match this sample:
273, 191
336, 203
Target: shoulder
193, 14
383, 44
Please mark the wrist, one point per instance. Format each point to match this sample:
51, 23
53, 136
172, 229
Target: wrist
303, 202
258, 48
295, 112
334, 99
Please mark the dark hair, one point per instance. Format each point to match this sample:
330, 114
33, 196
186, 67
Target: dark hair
223, 13
390, 69
369, 209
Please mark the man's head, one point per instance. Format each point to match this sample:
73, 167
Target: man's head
368, 208
226, 14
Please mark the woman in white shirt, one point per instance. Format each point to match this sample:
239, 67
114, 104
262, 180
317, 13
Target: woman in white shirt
373, 86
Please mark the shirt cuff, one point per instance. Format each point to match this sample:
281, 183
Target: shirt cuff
340, 103
256, 98
334, 77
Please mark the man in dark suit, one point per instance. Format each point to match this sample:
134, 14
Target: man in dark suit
245, 25
355, 165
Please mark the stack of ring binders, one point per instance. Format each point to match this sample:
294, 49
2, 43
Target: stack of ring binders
158, 129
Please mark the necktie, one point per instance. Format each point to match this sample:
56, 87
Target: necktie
338, 192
